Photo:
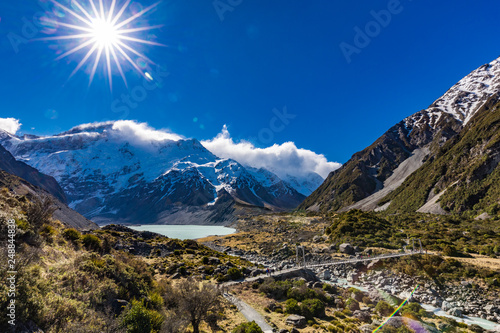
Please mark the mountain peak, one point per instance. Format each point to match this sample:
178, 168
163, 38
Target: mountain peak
467, 96
127, 171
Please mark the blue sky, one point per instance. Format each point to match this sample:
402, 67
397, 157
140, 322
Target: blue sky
261, 56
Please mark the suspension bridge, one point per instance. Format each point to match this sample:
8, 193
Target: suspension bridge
360, 258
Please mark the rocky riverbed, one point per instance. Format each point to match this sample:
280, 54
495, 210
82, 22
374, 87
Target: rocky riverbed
456, 300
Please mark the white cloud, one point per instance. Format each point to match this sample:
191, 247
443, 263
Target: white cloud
135, 132
138, 134
281, 159
10, 125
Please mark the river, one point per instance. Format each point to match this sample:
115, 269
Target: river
486, 324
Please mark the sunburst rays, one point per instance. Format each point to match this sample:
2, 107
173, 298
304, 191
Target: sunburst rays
105, 34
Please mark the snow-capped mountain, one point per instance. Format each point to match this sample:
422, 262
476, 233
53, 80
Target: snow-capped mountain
465, 98
372, 174
110, 173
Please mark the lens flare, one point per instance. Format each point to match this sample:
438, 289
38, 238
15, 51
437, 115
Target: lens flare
395, 311
106, 34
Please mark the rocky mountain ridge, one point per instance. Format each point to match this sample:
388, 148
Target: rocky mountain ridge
365, 180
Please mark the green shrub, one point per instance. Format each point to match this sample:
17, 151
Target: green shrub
413, 310
329, 288
182, 270
251, 327
234, 273
48, 232
451, 251
334, 329
312, 308
339, 315
367, 300
139, 319
72, 235
91, 242
383, 308
275, 289
292, 307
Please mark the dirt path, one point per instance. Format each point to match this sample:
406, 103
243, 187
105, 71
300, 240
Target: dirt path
249, 313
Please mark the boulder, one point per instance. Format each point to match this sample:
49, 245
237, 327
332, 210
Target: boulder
483, 216
358, 296
325, 275
119, 305
374, 264
346, 248
318, 285
398, 322
317, 239
363, 316
273, 306
213, 261
490, 309
296, 321
455, 312
366, 329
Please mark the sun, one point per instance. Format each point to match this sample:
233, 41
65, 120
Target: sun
104, 33
107, 36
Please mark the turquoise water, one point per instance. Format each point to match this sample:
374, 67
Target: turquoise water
186, 231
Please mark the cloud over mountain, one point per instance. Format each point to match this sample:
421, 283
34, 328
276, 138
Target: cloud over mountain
141, 132
282, 159
10, 125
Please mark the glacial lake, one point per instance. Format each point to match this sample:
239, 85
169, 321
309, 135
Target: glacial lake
186, 231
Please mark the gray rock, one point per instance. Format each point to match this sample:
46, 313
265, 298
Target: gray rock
326, 275
446, 306
318, 285
296, 321
455, 312
363, 316
317, 239
374, 264
366, 329
213, 261
483, 216
346, 248
490, 309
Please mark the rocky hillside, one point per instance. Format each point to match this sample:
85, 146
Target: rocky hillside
464, 175
9, 164
16, 194
111, 174
373, 177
